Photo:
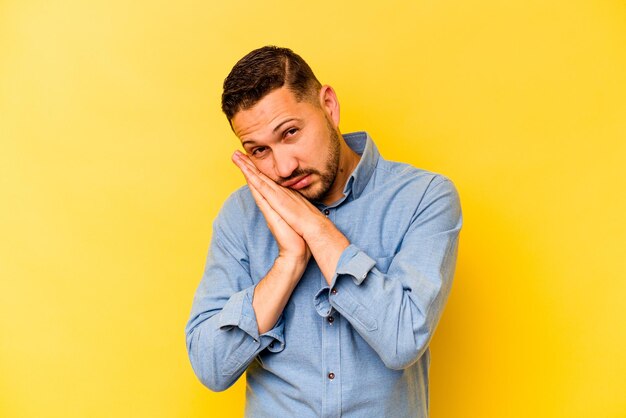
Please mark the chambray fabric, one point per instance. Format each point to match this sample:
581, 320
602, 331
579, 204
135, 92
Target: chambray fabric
387, 295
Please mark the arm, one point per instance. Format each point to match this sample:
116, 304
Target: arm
396, 312
285, 207
232, 319
222, 333
273, 291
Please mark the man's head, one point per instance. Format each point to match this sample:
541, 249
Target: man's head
288, 123
262, 71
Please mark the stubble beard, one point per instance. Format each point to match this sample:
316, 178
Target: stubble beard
327, 177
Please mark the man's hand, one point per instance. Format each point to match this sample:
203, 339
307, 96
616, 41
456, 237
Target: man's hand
273, 291
297, 211
290, 244
286, 209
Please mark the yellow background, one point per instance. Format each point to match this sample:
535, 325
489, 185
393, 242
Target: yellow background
114, 160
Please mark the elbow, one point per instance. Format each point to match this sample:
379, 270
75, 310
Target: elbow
402, 360
397, 364
215, 384
405, 355
210, 376
206, 368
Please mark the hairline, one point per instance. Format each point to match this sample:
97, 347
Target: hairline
310, 96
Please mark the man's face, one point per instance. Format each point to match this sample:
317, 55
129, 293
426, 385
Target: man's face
294, 143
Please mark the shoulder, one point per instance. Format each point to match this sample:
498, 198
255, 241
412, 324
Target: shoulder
422, 193
407, 178
236, 212
238, 202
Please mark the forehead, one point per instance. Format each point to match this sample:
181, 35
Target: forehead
274, 108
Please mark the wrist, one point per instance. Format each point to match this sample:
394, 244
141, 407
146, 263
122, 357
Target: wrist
292, 264
326, 243
317, 228
323, 236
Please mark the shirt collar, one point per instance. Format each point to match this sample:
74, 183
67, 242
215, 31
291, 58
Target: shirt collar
362, 144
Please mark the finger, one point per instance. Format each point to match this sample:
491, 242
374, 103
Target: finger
276, 224
243, 162
238, 160
288, 204
273, 218
264, 185
270, 214
251, 173
246, 159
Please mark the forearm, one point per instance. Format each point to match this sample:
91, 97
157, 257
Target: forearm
222, 344
273, 291
395, 313
219, 355
326, 243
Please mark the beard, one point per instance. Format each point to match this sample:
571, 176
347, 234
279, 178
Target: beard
317, 192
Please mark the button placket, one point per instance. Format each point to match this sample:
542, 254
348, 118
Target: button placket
331, 364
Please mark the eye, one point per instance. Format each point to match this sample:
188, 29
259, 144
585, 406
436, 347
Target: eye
258, 152
290, 132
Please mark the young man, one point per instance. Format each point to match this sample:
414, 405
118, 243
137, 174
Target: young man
327, 273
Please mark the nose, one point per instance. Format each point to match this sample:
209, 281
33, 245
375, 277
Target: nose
284, 162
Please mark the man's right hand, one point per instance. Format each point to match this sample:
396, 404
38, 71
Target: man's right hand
273, 291
291, 246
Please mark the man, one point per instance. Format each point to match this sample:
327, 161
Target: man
327, 273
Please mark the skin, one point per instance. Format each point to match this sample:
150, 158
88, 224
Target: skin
294, 153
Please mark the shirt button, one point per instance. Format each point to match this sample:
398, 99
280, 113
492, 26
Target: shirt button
331, 319
333, 291
326, 212
331, 375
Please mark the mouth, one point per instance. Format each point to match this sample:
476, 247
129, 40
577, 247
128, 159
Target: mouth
298, 183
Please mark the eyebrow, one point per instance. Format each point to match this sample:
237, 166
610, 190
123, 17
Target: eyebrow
276, 128
282, 123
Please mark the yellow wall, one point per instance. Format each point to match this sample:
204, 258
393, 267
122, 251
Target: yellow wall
114, 159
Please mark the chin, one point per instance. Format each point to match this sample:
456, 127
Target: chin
311, 197
314, 195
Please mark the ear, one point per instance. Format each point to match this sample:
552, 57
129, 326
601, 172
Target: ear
330, 103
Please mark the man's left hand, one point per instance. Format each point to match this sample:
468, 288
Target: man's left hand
324, 240
294, 208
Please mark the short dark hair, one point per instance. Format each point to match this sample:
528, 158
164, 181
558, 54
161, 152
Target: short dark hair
262, 71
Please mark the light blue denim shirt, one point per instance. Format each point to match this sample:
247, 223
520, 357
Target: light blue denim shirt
357, 348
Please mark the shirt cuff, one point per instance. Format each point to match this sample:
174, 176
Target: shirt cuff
238, 312
354, 263
274, 339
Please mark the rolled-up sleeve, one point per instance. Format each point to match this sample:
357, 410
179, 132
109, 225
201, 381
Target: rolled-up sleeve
397, 311
222, 332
